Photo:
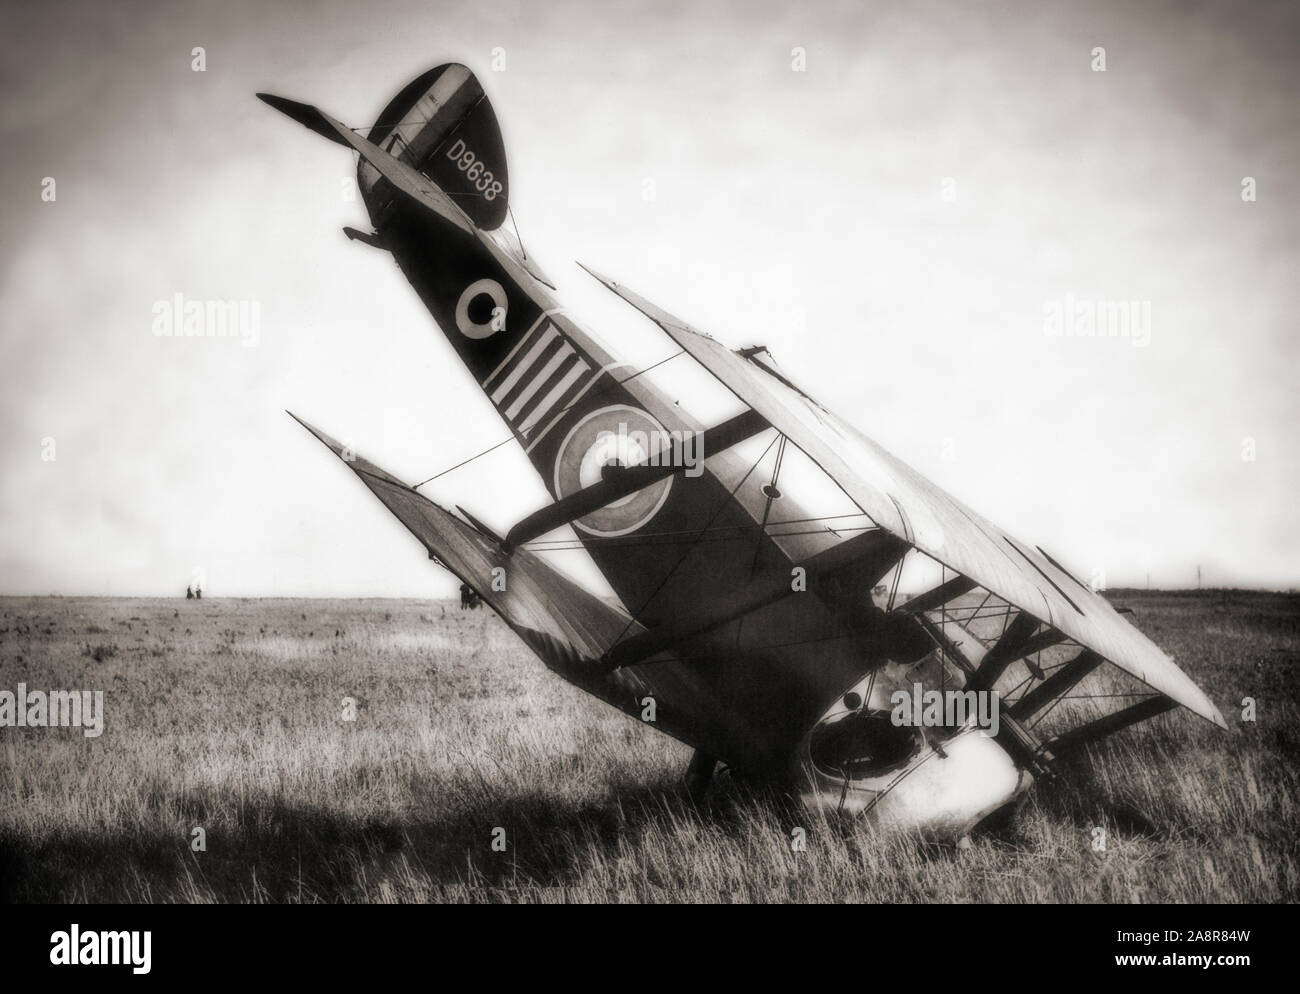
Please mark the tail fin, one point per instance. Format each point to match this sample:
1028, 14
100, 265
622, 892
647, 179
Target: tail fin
443, 125
437, 144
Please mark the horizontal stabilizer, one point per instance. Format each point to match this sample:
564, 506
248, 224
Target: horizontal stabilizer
308, 116
405, 179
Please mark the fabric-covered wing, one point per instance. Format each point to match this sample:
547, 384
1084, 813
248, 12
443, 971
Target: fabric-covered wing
902, 501
567, 626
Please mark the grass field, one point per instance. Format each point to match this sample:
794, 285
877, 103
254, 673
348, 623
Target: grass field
227, 716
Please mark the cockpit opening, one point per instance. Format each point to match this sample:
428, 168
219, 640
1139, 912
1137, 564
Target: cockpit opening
862, 744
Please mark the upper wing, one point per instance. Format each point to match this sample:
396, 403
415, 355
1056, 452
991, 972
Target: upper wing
900, 500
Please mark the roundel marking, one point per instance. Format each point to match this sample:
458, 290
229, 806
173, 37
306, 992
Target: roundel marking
601, 437
472, 329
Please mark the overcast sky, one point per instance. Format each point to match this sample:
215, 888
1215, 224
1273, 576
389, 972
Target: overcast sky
896, 222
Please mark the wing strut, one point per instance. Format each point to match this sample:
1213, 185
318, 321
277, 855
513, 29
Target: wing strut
1110, 724
1009, 648
1060, 682
939, 595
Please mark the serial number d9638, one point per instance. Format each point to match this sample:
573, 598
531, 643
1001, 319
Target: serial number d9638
472, 166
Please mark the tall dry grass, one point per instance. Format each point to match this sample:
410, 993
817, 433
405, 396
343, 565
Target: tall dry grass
226, 715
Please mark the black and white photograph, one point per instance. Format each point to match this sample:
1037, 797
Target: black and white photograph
556, 452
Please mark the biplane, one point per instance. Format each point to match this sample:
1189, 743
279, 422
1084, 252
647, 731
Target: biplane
767, 629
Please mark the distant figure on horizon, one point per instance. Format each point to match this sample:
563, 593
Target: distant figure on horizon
198, 592
189, 593
465, 592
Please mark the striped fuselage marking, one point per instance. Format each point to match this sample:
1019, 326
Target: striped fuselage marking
542, 375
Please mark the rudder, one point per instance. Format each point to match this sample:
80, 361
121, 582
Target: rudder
443, 124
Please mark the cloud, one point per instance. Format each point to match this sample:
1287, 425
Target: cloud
803, 210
